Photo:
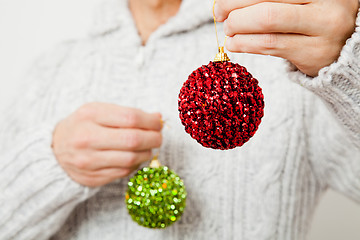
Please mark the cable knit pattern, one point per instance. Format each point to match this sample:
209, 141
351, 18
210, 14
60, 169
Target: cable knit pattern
35, 191
266, 190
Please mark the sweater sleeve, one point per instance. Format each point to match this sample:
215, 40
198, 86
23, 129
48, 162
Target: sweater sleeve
36, 195
335, 131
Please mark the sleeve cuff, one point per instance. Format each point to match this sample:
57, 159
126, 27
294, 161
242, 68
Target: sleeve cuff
338, 85
35, 165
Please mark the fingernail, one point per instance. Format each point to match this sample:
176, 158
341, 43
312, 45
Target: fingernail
228, 41
225, 27
229, 44
162, 122
217, 12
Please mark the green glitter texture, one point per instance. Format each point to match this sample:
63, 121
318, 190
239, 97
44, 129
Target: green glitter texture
156, 197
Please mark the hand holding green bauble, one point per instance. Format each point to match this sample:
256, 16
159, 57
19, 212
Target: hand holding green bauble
156, 196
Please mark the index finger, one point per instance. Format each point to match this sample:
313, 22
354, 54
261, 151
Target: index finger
112, 115
222, 8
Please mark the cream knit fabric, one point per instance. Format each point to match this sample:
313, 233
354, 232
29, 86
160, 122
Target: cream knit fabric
267, 189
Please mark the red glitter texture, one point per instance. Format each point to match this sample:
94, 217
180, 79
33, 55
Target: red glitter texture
221, 105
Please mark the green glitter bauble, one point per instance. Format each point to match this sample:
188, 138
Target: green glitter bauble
155, 197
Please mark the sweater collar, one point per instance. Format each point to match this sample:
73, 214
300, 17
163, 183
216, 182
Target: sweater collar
111, 15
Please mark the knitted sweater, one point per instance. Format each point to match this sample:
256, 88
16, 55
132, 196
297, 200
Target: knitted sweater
308, 141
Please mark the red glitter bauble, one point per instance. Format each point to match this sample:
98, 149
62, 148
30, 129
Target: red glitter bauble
221, 105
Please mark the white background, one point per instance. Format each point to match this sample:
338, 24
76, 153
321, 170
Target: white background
28, 28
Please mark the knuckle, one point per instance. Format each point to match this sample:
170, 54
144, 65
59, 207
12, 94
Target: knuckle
133, 140
132, 118
269, 42
81, 141
269, 16
224, 4
81, 162
336, 22
343, 24
87, 111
